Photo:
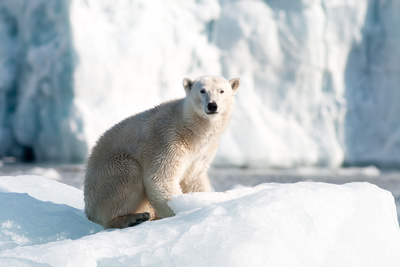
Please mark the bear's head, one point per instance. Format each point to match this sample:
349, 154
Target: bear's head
211, 96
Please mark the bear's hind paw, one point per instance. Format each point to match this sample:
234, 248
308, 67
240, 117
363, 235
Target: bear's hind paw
139, 218
129, 220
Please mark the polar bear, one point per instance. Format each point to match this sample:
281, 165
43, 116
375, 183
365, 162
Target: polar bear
138, 164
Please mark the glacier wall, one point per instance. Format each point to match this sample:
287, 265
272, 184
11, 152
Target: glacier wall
372, 80
37, 118
318, 77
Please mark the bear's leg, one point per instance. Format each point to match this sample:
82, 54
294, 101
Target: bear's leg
159, 194
123, 198
129, 220
201, 183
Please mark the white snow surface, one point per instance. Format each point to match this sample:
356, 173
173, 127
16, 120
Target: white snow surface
319, 79
301, 224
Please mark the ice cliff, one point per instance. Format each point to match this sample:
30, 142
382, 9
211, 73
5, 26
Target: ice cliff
37, 115
319, 78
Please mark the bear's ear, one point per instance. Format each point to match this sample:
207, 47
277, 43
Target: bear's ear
235, 82
187, 84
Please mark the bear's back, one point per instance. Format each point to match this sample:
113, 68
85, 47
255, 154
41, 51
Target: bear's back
142, 129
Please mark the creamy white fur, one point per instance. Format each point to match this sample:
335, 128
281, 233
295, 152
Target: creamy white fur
138, 164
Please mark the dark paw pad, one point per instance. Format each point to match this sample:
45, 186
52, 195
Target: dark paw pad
139, 218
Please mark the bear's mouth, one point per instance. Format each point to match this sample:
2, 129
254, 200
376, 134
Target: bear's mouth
212, 112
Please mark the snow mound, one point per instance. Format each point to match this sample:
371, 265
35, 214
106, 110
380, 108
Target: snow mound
36, 210
303, 224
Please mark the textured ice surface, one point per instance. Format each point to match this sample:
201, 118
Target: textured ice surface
319, 78
302, 224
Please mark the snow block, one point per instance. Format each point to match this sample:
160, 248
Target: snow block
302, 224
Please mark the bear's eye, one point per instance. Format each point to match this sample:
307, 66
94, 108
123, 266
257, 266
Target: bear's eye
222, 91
203, 91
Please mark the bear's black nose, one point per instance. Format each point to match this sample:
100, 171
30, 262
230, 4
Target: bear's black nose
212, 107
